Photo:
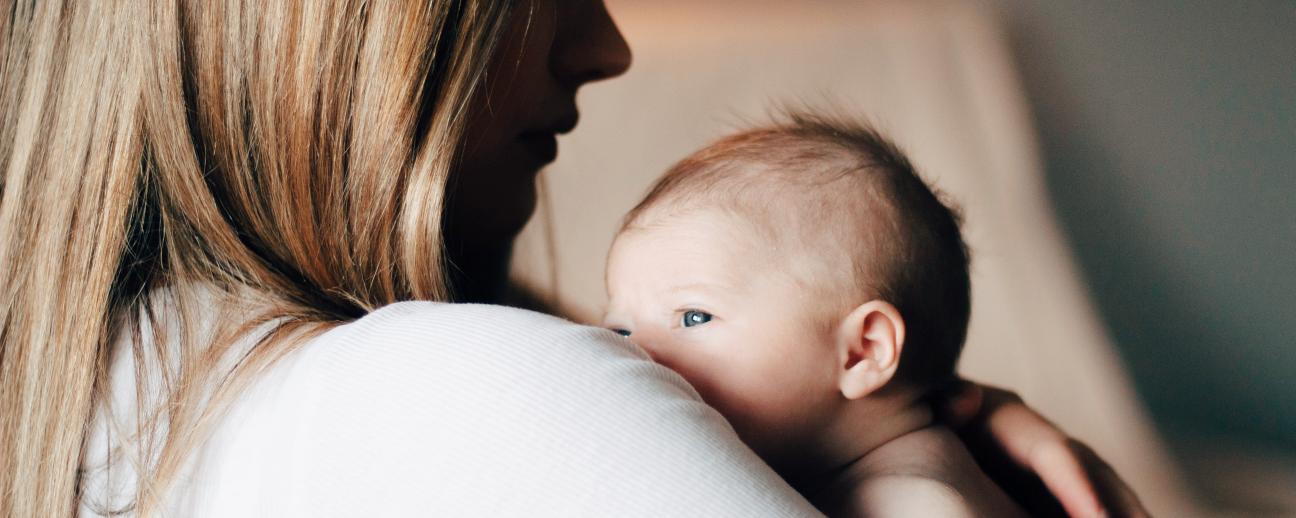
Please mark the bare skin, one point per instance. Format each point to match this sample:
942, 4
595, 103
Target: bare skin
707, 297
925, 472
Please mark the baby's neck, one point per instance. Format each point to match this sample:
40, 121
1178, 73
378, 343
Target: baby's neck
863, 428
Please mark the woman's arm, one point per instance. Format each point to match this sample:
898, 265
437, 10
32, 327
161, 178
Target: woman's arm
466, 410
1049, 473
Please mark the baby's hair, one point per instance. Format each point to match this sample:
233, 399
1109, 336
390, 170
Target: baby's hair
901, 242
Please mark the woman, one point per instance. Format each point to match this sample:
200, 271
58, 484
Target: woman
206, 204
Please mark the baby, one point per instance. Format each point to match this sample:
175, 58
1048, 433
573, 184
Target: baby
814, 290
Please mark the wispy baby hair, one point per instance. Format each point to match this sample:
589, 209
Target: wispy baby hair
839, 191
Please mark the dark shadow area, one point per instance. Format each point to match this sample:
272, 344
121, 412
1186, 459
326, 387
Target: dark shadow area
1169, 136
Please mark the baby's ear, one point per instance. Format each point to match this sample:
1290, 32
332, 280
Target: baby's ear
868, 345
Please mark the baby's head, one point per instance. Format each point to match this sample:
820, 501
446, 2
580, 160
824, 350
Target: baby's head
790, 271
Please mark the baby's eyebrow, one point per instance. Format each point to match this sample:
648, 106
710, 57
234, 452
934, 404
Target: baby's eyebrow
699, 286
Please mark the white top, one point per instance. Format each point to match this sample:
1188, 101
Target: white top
425, 408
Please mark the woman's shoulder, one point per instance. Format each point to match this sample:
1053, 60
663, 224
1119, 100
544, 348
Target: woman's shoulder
485, 321
424, 406
426, 351
418, 331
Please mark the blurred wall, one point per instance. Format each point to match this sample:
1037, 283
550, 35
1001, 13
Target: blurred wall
1169, 135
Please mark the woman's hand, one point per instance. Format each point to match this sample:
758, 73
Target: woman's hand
1046, 471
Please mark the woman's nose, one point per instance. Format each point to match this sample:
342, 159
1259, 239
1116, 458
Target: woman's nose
588, 47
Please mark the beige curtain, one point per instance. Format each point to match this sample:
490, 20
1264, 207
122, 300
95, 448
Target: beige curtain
938, 78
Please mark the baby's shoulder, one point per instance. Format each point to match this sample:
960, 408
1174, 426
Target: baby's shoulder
929, 473
911, 495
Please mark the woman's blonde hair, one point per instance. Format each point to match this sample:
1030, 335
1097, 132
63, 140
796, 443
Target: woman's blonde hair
292, 152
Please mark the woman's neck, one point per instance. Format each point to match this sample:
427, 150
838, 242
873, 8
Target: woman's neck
478, 273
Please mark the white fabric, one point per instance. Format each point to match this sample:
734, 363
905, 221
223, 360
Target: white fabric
464, 410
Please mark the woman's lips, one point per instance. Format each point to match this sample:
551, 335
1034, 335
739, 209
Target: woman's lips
543, 143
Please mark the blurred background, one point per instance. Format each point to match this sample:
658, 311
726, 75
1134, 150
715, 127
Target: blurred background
1127, 170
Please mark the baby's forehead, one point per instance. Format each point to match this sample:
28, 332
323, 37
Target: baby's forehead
692, 231
779, 210
695, 248
781, 238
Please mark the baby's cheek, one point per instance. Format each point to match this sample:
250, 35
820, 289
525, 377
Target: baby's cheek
760, 397
771, 421
721, 386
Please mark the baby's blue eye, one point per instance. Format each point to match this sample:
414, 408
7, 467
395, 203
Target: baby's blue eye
621, 332
694, 317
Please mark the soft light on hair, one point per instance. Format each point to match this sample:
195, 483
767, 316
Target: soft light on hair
291, 155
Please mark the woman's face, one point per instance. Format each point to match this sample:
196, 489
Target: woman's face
551, 49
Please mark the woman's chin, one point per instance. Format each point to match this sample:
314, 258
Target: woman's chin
491, 217
511, 218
